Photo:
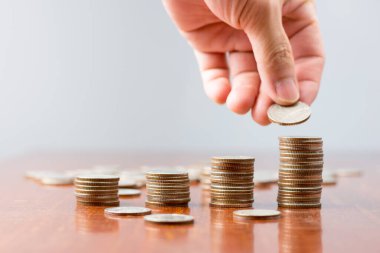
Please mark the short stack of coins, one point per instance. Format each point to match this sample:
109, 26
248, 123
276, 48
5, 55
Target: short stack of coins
167, 188
97, 190
300, 174
232, 181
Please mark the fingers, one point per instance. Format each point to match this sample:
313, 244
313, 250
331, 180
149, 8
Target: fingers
245, 82
309, 71
272, 50
302, 27
259, 111
215, 75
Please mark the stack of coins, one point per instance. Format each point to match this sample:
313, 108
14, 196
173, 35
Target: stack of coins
97, 190
300, 174
167, 188
232, 181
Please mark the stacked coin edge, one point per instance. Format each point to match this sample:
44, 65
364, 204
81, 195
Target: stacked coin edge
167, 188
232, 181
97, 190
300, 173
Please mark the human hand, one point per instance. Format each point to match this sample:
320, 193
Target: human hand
253, 53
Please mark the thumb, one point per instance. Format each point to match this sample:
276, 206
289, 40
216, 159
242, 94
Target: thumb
273, 52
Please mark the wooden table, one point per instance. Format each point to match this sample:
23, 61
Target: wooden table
37, 218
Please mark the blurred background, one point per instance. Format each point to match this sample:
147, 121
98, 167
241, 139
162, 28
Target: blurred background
116, 76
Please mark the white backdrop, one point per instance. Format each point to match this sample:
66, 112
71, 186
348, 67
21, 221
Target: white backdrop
116, 75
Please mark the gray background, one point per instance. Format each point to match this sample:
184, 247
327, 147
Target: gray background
116, 75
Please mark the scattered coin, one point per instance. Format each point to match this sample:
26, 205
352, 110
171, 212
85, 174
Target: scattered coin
129, 192
265, 177
257, 213
128, 210
289, 115
328, 180
169, 218
56, 179
347, 172
127, 183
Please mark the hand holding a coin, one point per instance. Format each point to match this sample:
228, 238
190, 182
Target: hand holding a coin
253, 53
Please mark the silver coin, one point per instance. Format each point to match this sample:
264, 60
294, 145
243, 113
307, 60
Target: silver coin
97, 177
128, 210
234, 158
257, 213
289, 115
168, 172
57, 179
265, 177
347, 172
127, 183
129, 192
169, 218
329, 180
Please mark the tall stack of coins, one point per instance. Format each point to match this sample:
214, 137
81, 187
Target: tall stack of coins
97, 190
232, 181
167, 188
300, 174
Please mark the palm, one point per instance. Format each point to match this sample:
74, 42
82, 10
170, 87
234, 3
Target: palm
211, 36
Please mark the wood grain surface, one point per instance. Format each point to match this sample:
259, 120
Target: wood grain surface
37, 218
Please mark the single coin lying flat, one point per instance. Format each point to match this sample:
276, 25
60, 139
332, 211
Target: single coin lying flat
289, 115
129, 192
257, 213
127, 210
169, 218
329, 180
57, 180
348, 172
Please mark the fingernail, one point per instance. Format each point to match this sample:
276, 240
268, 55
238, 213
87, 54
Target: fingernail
287, 90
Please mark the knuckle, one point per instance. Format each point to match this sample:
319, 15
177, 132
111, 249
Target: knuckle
279, 57
280, 53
